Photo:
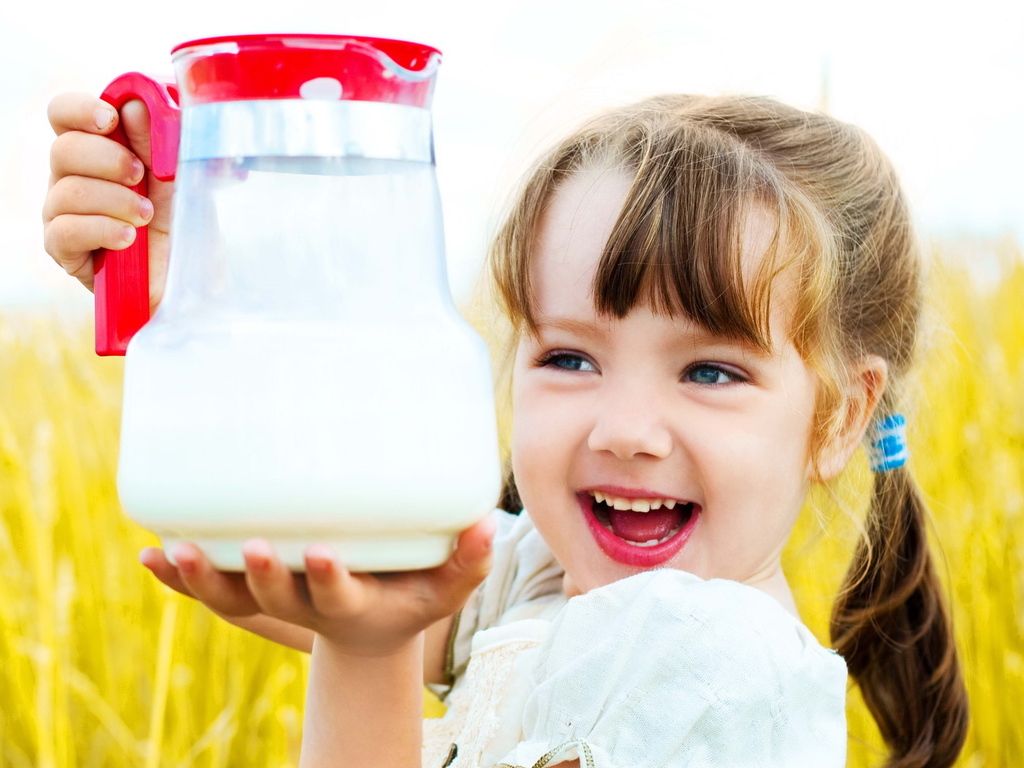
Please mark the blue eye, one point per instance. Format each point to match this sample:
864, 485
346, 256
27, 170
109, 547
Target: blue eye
567, 362
709, 375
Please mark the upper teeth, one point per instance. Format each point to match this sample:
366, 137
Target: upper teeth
637, 505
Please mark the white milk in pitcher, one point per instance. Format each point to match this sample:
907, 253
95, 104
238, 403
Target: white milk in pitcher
364, 441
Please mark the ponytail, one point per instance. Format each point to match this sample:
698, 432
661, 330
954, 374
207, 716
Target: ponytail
892, 626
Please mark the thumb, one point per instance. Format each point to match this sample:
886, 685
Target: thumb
468, 565
135, 122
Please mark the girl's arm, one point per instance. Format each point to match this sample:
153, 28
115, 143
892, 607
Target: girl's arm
364, 699
363, 711
365, 691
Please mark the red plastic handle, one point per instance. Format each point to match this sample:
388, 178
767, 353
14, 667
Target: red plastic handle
121, 285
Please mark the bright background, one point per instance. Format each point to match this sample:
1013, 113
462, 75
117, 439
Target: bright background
941, 90
101, 668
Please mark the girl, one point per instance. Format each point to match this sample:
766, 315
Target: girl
709, 302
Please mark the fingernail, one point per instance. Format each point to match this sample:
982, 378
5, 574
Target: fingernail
319, 558
145, 208
490, 527
138, 170
317, 566
128, 235
183, 559
257, 554
320, 551
103, 117
256, 562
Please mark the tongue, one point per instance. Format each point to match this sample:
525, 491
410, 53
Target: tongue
644, 526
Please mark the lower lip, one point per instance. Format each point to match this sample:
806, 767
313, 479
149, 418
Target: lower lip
638, 557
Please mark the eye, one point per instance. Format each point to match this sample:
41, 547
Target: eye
566, 361
710, 374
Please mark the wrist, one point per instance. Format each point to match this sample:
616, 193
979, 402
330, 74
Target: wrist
367, 651
379, 655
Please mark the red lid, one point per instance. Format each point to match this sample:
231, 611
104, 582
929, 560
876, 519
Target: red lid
305, 66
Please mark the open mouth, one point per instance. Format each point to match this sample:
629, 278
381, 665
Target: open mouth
646, 523
639, 532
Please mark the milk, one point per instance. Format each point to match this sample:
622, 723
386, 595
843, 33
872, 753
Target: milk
239, 435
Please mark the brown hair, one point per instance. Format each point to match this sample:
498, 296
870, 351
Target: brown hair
699, 166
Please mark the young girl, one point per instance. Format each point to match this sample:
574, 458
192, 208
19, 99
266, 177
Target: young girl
710, 302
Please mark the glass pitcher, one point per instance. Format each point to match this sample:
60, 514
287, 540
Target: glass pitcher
306, 377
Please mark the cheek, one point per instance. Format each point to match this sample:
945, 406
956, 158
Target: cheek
789, 479
790, 437
544, 434
535, 448
795, 425
524, 438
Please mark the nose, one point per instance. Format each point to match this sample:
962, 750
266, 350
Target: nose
629, 428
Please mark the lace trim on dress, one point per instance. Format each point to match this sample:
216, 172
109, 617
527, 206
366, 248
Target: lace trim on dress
471, 728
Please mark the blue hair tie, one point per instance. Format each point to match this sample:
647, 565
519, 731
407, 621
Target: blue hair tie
888, 446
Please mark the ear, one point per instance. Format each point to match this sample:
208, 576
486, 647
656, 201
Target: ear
866, 380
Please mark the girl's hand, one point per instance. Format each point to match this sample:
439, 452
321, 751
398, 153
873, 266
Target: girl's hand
361, 614
366, 614
89, 204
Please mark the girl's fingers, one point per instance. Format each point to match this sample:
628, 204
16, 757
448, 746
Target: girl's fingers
84, 195
274, 588
81, 154
330, 592
135, 121
80, 112
83, 113
224, 593
333, 590
71, 238
453, 581
156, 561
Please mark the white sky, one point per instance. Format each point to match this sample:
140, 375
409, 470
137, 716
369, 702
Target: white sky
941, 90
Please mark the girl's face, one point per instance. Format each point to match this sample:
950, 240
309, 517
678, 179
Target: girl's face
647, 442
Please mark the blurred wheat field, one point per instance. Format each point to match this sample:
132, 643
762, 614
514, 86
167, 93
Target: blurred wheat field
102, 666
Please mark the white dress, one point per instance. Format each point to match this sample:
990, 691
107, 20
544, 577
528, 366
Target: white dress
660, 669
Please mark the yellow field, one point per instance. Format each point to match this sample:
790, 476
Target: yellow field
101, 666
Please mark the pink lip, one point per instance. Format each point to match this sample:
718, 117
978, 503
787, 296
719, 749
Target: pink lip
619, 550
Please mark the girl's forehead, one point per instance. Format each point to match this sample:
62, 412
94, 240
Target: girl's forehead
582, 212
571, 237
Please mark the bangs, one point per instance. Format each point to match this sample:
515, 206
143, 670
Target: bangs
683, 239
